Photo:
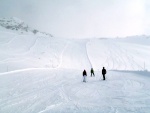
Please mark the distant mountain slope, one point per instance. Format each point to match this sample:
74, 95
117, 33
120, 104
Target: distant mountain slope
18, 26
23, 47
25, 51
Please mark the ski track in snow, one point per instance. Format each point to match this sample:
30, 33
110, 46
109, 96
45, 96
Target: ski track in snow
88, 42
61, 55
118, 58
31, 46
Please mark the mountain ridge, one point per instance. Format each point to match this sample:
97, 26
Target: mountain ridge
18, 26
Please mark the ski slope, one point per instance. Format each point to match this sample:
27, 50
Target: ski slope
62, 91
44, 75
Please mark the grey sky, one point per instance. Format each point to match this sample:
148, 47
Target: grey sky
82, 18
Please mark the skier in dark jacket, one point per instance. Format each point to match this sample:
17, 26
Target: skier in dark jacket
92, 72
84, 76
103, 72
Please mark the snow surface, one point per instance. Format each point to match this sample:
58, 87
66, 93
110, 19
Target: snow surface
44, 75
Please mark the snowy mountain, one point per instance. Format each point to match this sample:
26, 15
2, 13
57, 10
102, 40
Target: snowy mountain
18, 26
41, 74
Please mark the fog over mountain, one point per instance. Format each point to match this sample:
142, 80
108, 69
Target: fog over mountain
82, 18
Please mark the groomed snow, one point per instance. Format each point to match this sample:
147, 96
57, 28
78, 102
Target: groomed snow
44, 75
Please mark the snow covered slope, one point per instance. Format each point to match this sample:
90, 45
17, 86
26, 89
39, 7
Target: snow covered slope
28, 51
62, 91
40, 74
118, 54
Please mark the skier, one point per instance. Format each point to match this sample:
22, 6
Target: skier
103, 72
92, 72
84, 76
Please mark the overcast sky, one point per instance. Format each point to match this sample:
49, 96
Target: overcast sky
82, 18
